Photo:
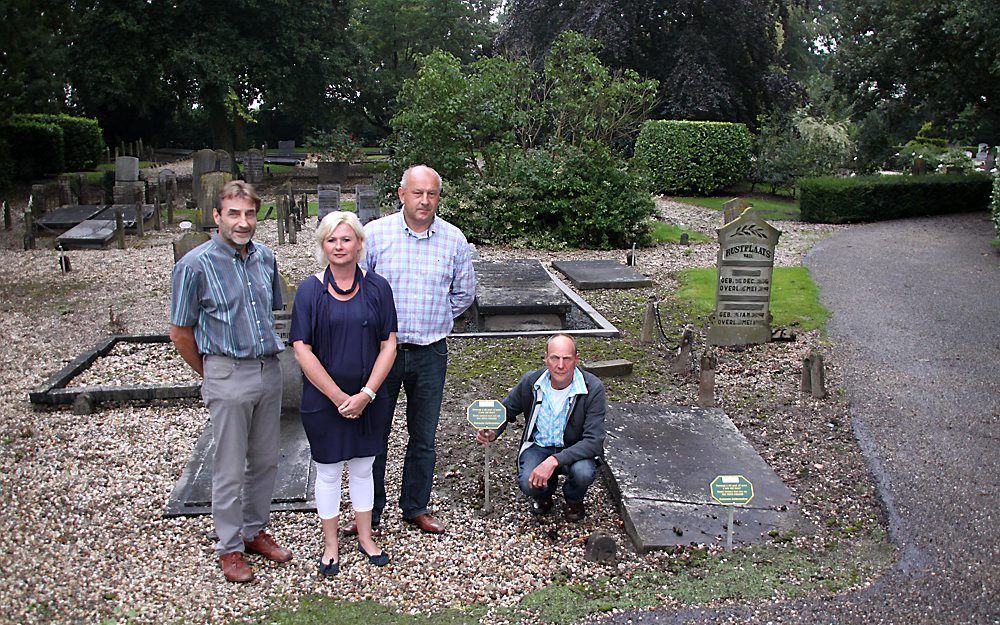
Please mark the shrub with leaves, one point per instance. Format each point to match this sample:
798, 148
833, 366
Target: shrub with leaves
995, 202
788, 148
699, 158
83, 141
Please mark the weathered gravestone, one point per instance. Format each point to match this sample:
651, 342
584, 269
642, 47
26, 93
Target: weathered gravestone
167, 182
734, 208
743, 293
253, 166
328, 200
601, 274
286, 148
188, 241
223, 161
919, 167
65, 192
366, 203
984, 149
332, 172
66, 217
203, 162
128, 188
126, 169
517, 295
210, 186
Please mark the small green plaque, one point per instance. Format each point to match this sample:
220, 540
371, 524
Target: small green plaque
487, 414
732, 490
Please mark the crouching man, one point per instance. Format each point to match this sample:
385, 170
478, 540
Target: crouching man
564, 408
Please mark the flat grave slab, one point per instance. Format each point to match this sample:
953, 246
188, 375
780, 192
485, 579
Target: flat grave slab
66, 217
518, 294
88, 235
659, 462
601, 274
128, 214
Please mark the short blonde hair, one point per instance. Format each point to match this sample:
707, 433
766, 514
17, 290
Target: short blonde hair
330, 223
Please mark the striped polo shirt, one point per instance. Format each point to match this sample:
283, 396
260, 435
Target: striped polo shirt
229, 300
430, 274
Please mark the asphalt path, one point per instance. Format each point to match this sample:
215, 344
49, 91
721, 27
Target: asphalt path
916, 326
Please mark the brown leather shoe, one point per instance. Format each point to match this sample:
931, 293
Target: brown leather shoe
427, 523
351, 527
235, 568
265, 545
574, 511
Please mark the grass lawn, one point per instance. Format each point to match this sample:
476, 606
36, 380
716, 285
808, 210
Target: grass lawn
668, 233
769, 207
794, 296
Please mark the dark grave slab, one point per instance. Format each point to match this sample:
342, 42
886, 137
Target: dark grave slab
284, 160
293, 490
66, 217
601, 274
617, 368
659, 462
128, 215
91, 234
518, 295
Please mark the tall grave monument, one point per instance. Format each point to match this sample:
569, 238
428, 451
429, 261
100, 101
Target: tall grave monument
743, 291
366, 202
128, 188
254, 166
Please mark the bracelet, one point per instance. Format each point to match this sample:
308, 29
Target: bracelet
367, 391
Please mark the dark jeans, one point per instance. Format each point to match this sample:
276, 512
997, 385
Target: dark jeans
420, 372
579, 475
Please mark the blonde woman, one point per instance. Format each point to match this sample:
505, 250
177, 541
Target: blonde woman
344, 337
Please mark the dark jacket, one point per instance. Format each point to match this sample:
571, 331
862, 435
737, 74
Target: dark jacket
584, 434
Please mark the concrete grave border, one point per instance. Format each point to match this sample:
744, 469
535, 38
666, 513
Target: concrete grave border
54, 391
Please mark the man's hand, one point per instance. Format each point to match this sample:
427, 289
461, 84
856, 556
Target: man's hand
354, 405
486, 436
540, 477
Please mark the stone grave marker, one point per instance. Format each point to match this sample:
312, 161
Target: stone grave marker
286, 148
188, 241
89, 234
126, 169
366, 203
984, 149
331, 172
734, 208
204, 161
223, 161
210, 186
743, 291
517, 295
601, 274
328, 200
127, 185
65, 192
167, 180
67, 217
254, 166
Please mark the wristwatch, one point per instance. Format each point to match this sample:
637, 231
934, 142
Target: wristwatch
367, 391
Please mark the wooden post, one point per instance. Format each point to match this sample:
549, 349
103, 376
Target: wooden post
706, 380
29, 229
6, 216
648, 333
170, 208
683, 362
157, 225
805, 384
279, 206
818, 383
140, 227
293, 229
120, 227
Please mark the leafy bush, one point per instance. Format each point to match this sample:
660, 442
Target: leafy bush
876, 198
334, 145
526, 155
791, 147
555, 196
83, 143
37, 147
995, 202
6, 165
699, 158
955, 161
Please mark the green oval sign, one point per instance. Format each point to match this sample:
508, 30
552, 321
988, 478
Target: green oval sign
487, 414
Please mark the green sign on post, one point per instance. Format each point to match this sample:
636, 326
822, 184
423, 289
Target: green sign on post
730, 491
486, 414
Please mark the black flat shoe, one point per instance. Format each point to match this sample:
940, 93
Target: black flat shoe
328, 570
378, 560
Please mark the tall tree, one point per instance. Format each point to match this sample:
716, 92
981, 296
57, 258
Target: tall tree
714, 60
32, 55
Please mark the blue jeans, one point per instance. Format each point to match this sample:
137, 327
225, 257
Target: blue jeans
579, 475
420, 372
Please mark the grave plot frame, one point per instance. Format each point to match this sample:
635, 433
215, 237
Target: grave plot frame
604, 327
54, 391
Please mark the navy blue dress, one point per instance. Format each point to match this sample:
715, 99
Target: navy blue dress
345, 337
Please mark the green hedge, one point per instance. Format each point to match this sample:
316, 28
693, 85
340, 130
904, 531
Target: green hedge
6, 165
694, 158
82, 140
875, 198
995, 202
36, 147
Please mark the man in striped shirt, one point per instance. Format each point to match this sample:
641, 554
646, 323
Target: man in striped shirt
428, 263
225, 292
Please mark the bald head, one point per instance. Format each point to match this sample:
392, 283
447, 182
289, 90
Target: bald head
561, 360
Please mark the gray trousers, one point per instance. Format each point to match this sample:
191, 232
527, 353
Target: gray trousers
244, 401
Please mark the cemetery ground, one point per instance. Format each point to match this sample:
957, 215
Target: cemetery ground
82, 537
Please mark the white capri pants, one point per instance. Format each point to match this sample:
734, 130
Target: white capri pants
359, 483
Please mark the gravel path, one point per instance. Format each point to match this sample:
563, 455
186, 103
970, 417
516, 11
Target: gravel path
81, 533
916, 319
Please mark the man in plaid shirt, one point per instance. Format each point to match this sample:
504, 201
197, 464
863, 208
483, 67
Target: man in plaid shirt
428, 263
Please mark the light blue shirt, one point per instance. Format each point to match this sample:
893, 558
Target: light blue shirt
430, 274
550, 425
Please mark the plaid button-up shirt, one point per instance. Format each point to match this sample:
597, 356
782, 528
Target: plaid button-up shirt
430, 273
230, 300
